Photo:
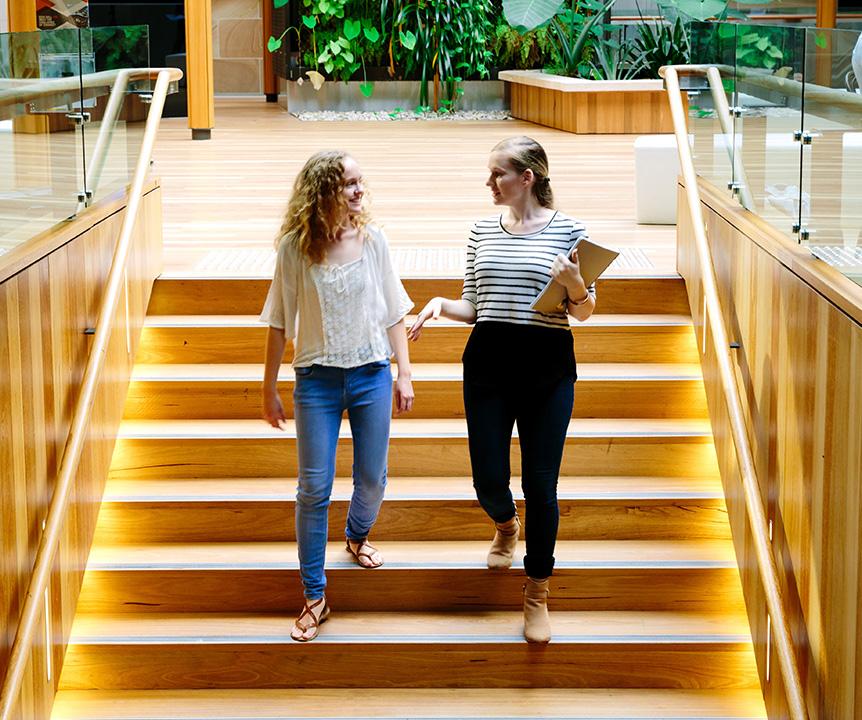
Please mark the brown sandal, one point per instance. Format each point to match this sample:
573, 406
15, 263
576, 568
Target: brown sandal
360, 553
315, 623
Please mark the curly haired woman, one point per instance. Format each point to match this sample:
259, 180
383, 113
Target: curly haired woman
336, 295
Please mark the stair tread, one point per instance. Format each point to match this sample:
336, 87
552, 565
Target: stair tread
253, 321
586, 626
573, 704
599, 554
253, 372
403, 488
410, 428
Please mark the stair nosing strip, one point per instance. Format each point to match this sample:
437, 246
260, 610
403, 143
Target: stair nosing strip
558, 639
404, 435
293, 566
336, 497
197, 379
420, 716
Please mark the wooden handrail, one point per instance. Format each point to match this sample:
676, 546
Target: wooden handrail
16, 91
753, 502
80, 419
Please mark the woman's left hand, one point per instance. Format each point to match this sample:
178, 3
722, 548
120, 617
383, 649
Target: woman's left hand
403, 395
567, 272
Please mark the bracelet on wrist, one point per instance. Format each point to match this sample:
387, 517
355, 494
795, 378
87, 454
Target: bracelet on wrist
581, 301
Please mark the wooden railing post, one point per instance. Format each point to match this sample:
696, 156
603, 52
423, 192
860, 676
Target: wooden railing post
199, 68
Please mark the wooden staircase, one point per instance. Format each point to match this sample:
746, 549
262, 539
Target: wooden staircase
192, 583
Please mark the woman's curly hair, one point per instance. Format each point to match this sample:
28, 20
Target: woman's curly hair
317, 207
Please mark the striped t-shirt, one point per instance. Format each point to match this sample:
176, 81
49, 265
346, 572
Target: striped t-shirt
505, 272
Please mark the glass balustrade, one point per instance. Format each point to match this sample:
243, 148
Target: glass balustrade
72, 115
832, 149
794, 155
41, 142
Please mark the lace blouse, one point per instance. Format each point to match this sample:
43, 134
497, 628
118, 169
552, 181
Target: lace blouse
337, 314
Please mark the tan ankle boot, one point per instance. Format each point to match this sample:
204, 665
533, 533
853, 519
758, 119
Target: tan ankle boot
503, 546
537, 623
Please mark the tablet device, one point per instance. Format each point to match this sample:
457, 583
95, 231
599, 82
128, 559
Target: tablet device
594, 260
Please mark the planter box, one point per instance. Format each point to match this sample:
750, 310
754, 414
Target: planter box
590, 106
388, 94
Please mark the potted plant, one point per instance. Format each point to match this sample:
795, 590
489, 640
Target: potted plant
426, 50
602, 81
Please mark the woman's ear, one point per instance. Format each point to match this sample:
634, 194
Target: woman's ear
528, 176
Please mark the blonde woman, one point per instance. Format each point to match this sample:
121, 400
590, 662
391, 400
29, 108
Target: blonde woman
337, 297
519, 364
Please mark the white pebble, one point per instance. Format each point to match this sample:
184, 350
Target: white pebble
410, 115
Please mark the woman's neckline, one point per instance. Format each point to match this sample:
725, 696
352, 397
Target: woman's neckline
349, 262
534, 232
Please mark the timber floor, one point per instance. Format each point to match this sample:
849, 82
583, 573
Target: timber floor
224, 198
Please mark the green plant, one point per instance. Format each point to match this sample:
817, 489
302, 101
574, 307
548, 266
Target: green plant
575, 33
446, 41
573, 30
614, 60
701, 9
757, 49
339, 43
662, 44
513, 50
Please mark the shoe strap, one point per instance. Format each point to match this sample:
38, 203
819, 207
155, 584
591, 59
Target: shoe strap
309, 610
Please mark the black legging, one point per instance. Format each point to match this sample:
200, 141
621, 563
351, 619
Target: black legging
542, 415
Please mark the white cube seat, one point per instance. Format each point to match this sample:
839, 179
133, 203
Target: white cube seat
656, 171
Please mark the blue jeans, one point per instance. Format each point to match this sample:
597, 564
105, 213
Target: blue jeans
321, 394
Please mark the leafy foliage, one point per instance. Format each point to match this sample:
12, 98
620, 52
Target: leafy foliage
759, 49
614, 60
575, 33
662, 44
521, 51
450, 42
525, 15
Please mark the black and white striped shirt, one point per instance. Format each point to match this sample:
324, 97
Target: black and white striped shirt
505, 272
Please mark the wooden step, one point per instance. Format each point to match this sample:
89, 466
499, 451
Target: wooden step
176, 391
403, 650
442, 508
235, 448
634, 338
245, 296
417, 576
442, 704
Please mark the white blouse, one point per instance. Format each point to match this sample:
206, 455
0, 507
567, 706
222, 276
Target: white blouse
337, 314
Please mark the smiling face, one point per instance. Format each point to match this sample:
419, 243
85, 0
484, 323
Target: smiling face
352, 187
508, 186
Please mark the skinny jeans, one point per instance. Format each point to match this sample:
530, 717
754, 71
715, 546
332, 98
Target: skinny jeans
321, 395
542, 417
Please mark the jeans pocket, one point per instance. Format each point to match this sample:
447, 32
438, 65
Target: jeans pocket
302, 372
378, 364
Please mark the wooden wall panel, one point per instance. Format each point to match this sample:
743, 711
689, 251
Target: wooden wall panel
44, 310
799, 370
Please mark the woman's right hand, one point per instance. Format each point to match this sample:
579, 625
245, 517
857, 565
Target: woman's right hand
431, 311
273, 410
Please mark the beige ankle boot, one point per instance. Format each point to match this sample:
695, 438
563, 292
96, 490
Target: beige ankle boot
503, 546
537, 624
